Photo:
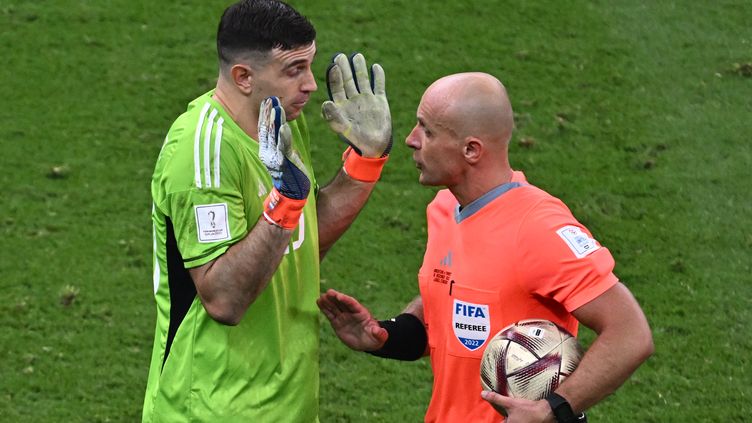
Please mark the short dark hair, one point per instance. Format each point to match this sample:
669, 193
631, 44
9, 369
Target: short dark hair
260, 26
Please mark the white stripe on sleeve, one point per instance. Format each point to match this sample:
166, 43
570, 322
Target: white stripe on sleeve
217, 144
207, 148
196, 143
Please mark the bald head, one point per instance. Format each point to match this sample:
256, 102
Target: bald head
472, 104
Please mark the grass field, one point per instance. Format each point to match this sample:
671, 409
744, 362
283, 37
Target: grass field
637, 114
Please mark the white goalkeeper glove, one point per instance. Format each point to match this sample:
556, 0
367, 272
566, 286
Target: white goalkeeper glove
291, 184
358, 109
276, 152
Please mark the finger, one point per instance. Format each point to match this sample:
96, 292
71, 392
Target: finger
378, 80
334, 83
489, 396
280, 109
496, 398
327, 307
340, 307
274, 125
361, 73
285, 138
327, 296
266, 108
347, 77
350, 304
335, 304
328, 313
264, 112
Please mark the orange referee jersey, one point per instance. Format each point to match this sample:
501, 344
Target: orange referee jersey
515, 253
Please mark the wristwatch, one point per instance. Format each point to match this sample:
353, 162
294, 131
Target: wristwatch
563, 411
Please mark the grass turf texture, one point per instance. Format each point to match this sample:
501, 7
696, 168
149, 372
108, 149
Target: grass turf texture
636, 114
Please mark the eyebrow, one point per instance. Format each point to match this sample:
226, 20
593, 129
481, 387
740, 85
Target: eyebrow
297, 62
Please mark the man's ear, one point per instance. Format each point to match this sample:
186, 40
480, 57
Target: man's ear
242, 77
472, 150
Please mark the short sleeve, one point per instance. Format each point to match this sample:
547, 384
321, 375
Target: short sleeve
206, 223
209, 211
559, 258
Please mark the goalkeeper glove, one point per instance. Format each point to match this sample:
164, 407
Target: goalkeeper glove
291, 184
358, 111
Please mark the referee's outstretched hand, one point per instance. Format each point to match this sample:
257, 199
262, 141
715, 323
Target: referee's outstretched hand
352, 322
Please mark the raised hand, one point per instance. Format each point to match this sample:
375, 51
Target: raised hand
358, 109
276, 152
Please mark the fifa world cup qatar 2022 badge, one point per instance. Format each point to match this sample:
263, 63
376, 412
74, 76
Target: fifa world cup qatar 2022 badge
471, 323
212, 223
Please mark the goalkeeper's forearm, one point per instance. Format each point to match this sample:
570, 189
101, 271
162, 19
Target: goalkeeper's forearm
228, 285
337, 205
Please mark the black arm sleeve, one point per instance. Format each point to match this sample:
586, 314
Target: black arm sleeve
407, 338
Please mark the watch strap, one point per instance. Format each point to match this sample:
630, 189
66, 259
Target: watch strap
561, 409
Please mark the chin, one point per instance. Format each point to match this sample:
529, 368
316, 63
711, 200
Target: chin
426, 181
292, 115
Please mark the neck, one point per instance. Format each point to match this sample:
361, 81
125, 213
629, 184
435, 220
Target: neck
474, 187
239, 108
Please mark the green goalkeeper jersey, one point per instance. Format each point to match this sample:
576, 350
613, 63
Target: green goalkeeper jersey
208, 189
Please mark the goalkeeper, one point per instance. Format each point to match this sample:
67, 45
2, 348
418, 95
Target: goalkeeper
240, 223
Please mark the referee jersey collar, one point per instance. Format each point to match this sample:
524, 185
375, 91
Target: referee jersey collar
475, 206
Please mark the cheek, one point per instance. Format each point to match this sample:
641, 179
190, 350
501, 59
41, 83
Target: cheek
269, 86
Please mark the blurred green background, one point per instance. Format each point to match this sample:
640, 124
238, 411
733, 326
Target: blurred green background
637, 114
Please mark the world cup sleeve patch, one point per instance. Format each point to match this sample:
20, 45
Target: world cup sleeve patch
578, 241
211, 222
471, 323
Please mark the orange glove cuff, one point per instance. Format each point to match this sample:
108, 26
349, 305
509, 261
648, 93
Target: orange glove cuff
364, 169
282, 211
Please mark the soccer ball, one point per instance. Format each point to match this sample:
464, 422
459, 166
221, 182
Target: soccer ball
529, 359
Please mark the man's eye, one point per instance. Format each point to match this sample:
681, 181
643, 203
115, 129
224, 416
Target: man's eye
295, 71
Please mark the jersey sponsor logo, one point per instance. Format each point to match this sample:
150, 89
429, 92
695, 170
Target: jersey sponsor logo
578, 241
212, 222
442, 275
447, 260
471, 323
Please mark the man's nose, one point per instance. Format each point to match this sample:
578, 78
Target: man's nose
412, 140
310, 83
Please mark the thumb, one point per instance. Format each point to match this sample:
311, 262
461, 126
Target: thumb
379, 333
499, 402
333, 116
497, 398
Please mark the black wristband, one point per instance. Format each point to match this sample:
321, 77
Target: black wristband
562, 410
407, 338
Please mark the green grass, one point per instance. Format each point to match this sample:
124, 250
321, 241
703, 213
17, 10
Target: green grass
636, 114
